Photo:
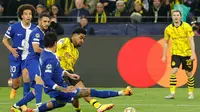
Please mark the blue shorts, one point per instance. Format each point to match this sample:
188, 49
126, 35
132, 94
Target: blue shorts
33, 67
16, 66
66, 97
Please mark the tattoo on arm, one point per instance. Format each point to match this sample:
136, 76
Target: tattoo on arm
59, 88
84, 92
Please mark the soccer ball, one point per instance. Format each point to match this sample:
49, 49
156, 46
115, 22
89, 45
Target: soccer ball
130, 109
9, 82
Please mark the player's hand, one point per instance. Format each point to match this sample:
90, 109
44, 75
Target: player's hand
74, 76
192, 58
164, 58
14, 52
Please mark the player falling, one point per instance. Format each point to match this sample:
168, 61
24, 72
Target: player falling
68, 53
183, 52
19, 34
55, 87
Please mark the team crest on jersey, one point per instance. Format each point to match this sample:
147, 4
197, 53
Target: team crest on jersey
61, 41
9, 28
48, 67
37, 35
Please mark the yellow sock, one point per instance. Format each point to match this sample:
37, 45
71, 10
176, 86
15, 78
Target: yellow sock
95, 103
173, 82
77, 109
190, 84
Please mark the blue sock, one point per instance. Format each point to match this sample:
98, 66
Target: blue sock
26, 87
103, 94
44, 108
29, 96
38, 93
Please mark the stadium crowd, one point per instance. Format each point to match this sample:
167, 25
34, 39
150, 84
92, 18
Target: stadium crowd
105, 11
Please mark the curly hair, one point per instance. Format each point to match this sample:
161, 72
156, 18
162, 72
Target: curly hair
23, 7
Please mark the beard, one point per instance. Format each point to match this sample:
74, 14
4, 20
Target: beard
78, 46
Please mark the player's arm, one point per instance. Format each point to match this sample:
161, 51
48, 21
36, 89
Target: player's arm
37, 48
166, 41
192, 45
36, 42
47, 76
9, 33
51, 84
165, 47
72, 76
191, 39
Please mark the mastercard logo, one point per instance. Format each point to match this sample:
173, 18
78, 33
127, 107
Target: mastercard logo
139, 63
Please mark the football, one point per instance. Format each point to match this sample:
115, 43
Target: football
9, 82
130, 109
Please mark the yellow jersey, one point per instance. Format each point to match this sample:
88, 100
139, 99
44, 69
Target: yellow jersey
67, 53
180, 38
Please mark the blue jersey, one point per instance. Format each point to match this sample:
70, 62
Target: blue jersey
36, 36
51, 72
20, 37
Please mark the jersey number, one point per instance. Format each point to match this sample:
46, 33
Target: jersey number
12, 69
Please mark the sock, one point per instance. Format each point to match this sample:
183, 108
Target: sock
190, 84
77, 109
29, 96
173, 82
26, 88
76, 105
44, 108
103, 94
95, 103
38, 94
14, 89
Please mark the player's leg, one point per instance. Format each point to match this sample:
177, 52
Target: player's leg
85, 92
69, 81
34, 75
60, 101
26, 81
79, 84
187, 65
17, 106
88, 92
95, 103
175, 63
50, 105
16, 82
38, 90
15, 71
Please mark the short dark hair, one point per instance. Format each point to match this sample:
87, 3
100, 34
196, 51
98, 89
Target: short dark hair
83, 17
44, 15
177, 11
79, 30
23, 7
49, 39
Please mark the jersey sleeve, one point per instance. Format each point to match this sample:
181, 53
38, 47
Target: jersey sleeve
166, 34
10, 32
190, 32
61, 46
49, 67
35, 37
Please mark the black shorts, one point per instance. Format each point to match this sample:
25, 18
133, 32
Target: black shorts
187, 64
70, 81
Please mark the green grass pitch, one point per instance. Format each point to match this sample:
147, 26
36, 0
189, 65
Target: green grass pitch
143, 100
